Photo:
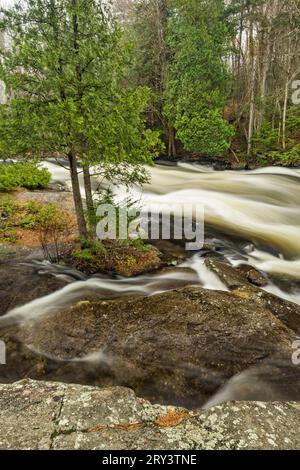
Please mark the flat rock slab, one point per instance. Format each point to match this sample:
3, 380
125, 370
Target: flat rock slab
48, 415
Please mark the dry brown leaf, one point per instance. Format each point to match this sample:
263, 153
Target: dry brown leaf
171, 418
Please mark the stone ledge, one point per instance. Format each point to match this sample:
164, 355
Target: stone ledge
49, 415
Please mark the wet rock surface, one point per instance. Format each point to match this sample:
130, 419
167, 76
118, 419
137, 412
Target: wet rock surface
243, 281
21, 282
235, 278
45, 415
178, 347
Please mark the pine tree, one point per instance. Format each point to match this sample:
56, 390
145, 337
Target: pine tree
64, 78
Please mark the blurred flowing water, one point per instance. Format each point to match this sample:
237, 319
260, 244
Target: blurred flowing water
251, 217
260, 207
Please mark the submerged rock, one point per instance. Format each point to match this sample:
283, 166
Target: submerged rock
45, 415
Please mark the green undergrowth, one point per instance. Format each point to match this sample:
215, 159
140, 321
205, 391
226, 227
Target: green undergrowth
23, 175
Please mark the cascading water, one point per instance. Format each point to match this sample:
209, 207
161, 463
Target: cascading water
261, 206
252, 218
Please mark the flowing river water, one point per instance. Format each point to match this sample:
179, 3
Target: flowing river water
251, 217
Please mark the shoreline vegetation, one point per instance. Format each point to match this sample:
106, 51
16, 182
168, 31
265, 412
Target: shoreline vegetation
52, 227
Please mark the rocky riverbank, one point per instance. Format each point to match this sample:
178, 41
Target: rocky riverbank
179, 347
45, 415
186, 346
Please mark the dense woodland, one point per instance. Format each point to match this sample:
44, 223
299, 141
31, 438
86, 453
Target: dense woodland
120, 83
222, 73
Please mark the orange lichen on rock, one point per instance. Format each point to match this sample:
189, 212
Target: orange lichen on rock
171, 418
125, 427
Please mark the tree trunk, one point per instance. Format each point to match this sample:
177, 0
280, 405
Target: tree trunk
252, 91
286, 94
263, 44
77, 197
172, 144
264, 71
88, 188
284, 114
89, 201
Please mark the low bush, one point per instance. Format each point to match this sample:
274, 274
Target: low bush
49, 221
289, 158
8, 207
23, 175
122, 257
